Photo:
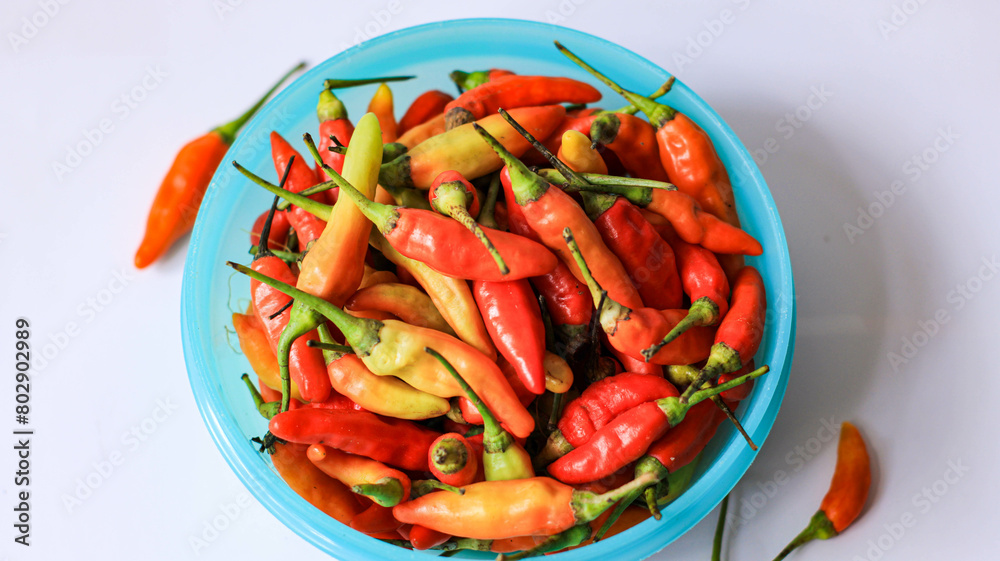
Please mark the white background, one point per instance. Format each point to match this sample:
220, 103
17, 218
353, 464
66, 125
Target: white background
902, 80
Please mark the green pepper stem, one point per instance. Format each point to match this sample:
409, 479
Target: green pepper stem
308, 192
717, 400
658, 113
819, 528
382, 216
599, 180
495, 438
588, 506
609, 311
703, 311
342, 349
287, 256
422, 487
320, 210
570, 175
335, 83
263, 244
723, 358
468, 80
266, 409
387, 491
453, 202
329, 355
675, 408
329, 107
646, 465
526, 184
720, 528
361, 333
660, 92
229, 130
487, 214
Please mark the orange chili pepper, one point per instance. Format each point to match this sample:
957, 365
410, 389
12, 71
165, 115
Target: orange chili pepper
177, 201
419, 133
425, 107
254, 344
383, 485
847, 495
516, 91
319, 489
633, 140
382, 106
406, 302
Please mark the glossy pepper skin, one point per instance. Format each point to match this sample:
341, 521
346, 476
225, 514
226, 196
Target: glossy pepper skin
495, 510
177, 200
449, 247
452, 460
644, 254
605, 399
516, 91
301, 176
740, 332
383, 485
462, 150
382, 106
404, 301
359, 433
393, 348
425, 107
309, 482
333, 124
385, 395
547, 210
514, 322
629, 330
847, 495
628, 436
633, 140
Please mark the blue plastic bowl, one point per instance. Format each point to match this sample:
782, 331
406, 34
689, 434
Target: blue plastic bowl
211, 291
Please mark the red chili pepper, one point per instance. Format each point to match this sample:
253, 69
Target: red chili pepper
334, 128
471, 415
305, 365
638, 366
323, 492
706, 285
397, 442
453, 196
302, 176
629, 329
383, 485
547, 210
740, 332
375, 519
627, 437
514, 322
516, 91
452, 460
179, 196
847, 495
447, 246
633, 140
423, 538
426, 106
279, 230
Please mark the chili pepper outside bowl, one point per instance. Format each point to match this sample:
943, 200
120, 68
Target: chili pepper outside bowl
211, 291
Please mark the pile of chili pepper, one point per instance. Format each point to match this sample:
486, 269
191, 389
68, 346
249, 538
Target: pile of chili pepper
457, 349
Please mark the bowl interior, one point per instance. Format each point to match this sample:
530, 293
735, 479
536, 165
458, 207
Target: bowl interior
212, 292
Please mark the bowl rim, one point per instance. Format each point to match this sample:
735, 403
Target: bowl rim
284, 503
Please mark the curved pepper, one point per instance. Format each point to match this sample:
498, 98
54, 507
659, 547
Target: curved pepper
452, 460
383, 485
257, 349
516, 91
301, 176
358, 432
740, 332
406, 302
335, 128
395, 348
514, 322
633, 140
320, 490
494, 510
425, 107
847, 495
461, 149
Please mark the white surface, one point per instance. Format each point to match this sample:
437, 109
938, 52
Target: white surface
64, 242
